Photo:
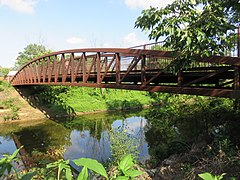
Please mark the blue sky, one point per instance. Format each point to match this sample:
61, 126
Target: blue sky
68, 24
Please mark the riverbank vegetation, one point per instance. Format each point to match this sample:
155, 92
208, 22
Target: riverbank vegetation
189, 135
64, 100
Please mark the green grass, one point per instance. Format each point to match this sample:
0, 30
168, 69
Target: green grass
83, 99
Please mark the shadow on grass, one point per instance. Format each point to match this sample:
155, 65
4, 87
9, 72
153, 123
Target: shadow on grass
52, 108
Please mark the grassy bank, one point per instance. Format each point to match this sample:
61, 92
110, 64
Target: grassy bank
61, 99
95, 99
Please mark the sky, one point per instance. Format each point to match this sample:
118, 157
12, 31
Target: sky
70, 24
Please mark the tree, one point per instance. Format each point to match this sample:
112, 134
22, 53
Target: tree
30, 52
203, 27
4, 71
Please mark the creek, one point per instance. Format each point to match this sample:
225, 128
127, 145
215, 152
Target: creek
85, 136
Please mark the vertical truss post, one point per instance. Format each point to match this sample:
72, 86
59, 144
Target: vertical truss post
84, 67
49, 69
57, 69
143, 70
98, 68
54, 69
72, 67
35, 72
28, 74
43, 69
31, 73
39, 71
117, 68
21, 75
106, 63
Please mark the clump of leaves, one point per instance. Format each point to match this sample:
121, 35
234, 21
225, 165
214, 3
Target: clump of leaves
122, 143
126, 168
63, 169
209, 176
90, 164
6, 165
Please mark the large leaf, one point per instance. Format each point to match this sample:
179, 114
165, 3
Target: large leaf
206, 176
92, 165
122, 178
126, 163
133, 173
83, 175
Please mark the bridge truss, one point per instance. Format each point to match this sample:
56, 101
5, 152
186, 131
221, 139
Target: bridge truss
133, 69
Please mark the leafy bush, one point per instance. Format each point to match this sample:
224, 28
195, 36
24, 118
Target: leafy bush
122, 143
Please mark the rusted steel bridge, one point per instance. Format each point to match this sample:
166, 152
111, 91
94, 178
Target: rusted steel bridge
134, 69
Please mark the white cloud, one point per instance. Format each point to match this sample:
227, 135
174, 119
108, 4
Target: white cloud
22, 6
144, 4
132, 40
74, 40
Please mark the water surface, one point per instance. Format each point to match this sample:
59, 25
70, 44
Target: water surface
85, 136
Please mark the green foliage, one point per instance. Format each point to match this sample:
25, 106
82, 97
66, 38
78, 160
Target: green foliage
91, 164
62, 167
30, 52
203, 27
83, 99
183, 120
6, 164
126, 167
208, 176
4, 71
123, 143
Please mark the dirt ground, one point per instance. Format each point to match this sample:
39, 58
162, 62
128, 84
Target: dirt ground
26, 112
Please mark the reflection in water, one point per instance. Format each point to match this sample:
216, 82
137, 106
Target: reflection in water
90, 136
85, 136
